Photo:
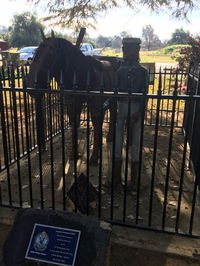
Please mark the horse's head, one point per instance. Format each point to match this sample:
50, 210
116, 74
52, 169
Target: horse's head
48, 62
57, 55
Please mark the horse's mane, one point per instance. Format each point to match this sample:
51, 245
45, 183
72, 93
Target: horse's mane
98, 63
68, 45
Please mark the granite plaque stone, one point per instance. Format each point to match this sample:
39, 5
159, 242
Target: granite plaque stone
92, 249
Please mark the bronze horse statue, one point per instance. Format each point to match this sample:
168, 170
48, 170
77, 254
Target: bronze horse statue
56, 57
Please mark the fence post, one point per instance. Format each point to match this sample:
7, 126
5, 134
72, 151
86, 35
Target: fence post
4, 136
159, 94
39, 110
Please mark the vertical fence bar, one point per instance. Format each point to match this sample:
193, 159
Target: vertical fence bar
159, 93
16, 134
169, 92
21, 121
178, 105
88, 87
11, 108
3, 76
113, 151
18, 77
127, 153
189, 103
75, 136
152, 101
88, 143
194, 201
63, 137
39, 127
198, 164
51, 142
140, 159
29, 122
4, 136
32, 121
169, 153
162, 101
101, 143
26, 114
7, 121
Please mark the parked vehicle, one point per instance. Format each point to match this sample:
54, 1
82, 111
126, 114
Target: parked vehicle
26, 54
88, 49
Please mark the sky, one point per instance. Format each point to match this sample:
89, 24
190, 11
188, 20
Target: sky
114, 21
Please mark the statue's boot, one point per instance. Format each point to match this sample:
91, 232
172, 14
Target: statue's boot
117, 175
132, 185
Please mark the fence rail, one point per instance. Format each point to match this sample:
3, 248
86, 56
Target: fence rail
165, 197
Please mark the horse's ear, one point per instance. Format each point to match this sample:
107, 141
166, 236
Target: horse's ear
42, 34
52, 34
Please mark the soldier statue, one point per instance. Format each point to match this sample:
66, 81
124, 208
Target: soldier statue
132, 77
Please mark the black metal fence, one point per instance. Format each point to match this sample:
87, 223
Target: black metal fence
165, 197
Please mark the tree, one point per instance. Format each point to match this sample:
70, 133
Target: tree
156, 42
25, 30
117, 42
179, 36
77, 13
3, 29
4, 33
150, 39
103, 41
125, 34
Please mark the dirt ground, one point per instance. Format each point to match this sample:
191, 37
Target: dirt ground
47, 172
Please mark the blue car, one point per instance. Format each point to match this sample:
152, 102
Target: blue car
26, 54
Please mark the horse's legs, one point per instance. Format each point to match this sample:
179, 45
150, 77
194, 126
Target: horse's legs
74, 112
97, 115
113, 110
39, 106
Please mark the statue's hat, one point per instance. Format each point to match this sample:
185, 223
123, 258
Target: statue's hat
129, 41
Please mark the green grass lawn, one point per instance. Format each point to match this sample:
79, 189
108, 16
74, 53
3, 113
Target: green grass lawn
149, 57
146, 57
163, 55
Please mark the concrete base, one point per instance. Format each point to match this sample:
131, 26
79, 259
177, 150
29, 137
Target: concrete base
135, 247
141, 248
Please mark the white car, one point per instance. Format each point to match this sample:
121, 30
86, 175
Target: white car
26, 54
87, 49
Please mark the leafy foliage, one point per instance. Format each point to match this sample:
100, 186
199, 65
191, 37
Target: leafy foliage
179, 36
3, 33
77, 13
25, 30
190, 53
171, 49
114, 42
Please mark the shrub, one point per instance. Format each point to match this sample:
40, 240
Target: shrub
189, 54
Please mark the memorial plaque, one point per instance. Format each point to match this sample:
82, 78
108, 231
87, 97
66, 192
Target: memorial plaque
54, 245
38, 235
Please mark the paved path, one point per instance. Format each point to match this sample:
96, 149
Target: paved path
165, 65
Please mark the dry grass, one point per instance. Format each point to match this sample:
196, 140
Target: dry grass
145, 56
